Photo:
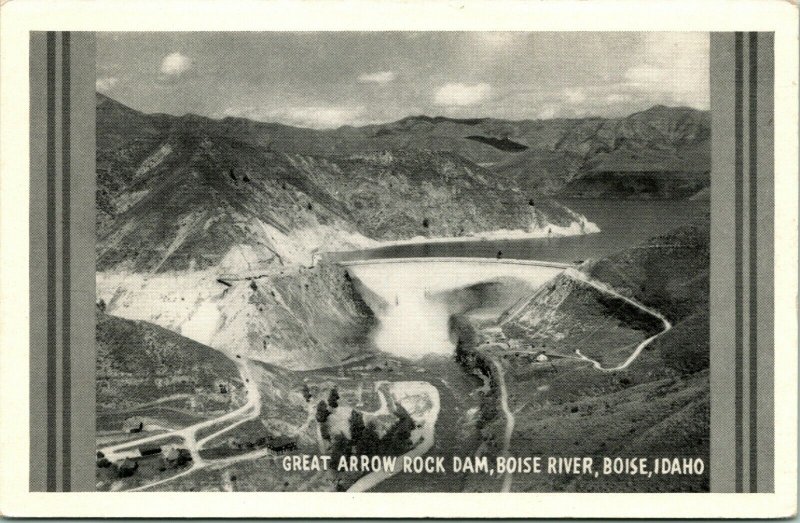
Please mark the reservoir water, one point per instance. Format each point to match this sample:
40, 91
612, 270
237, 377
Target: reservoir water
414, 299
623, 223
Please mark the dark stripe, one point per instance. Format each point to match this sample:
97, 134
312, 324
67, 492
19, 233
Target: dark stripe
51, 262
738, 260
753, 153
66, 363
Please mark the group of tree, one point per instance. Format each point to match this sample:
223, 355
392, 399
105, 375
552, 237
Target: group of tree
364, 437
366, 441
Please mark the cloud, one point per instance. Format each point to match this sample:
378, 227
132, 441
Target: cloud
673, 68
381, 77
462, 95
575, 95
317, 117
105, 84
548, 112
175, 64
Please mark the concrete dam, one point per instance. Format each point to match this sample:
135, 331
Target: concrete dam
414, 298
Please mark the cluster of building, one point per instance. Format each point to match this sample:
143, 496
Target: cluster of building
172, 456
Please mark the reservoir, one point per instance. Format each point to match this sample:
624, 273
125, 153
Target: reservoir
623, 223
414, 298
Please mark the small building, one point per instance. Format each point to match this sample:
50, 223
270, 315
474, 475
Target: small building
541, 357
126, 468
133, 425
149, 450
176, 456
282, 444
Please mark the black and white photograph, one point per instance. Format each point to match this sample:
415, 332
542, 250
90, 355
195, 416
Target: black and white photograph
399, 259
403, 262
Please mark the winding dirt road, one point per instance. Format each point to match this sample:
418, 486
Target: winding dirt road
250, 410
510, 421
580, 276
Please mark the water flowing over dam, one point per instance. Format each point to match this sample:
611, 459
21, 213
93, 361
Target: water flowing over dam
413, 298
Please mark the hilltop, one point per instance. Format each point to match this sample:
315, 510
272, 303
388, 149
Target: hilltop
167, 184
177, 193
564, 405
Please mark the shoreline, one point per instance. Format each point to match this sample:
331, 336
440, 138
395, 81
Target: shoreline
576, 228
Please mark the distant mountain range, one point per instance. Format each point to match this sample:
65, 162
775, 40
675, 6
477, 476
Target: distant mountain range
192, 192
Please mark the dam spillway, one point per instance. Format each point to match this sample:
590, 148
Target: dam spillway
413, 298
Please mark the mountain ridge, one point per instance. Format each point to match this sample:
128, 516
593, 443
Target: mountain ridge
543, 156
181, 192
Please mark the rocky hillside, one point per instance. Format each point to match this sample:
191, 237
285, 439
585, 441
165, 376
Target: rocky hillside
187, 192
658, 406
298, 318
143, 369
186, 202
661, 152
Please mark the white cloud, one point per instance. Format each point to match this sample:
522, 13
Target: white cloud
381, 77
547, 112
318, 117
575, 95
674, 68
462, 95
105, 84
617, 98
175, 64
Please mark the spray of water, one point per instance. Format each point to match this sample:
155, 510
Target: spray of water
414, 300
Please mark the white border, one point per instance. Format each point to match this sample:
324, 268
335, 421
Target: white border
20, 16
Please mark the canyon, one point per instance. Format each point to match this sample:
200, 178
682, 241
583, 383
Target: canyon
220, 257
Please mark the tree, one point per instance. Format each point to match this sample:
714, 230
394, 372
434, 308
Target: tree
370, 440
426, 223
101, 305
322, 412
127, 468
340, 446
306, 392
333, 398
356, 425
398, 438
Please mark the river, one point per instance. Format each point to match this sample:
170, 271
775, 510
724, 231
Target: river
623, 223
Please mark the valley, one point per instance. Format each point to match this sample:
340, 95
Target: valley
573, 355
427, 287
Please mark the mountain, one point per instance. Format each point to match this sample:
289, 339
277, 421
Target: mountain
191, 210
663, 152
177, 193
168, 183
657, 406
143, 369
296, 317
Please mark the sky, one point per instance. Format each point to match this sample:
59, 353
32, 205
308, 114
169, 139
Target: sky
330, 79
